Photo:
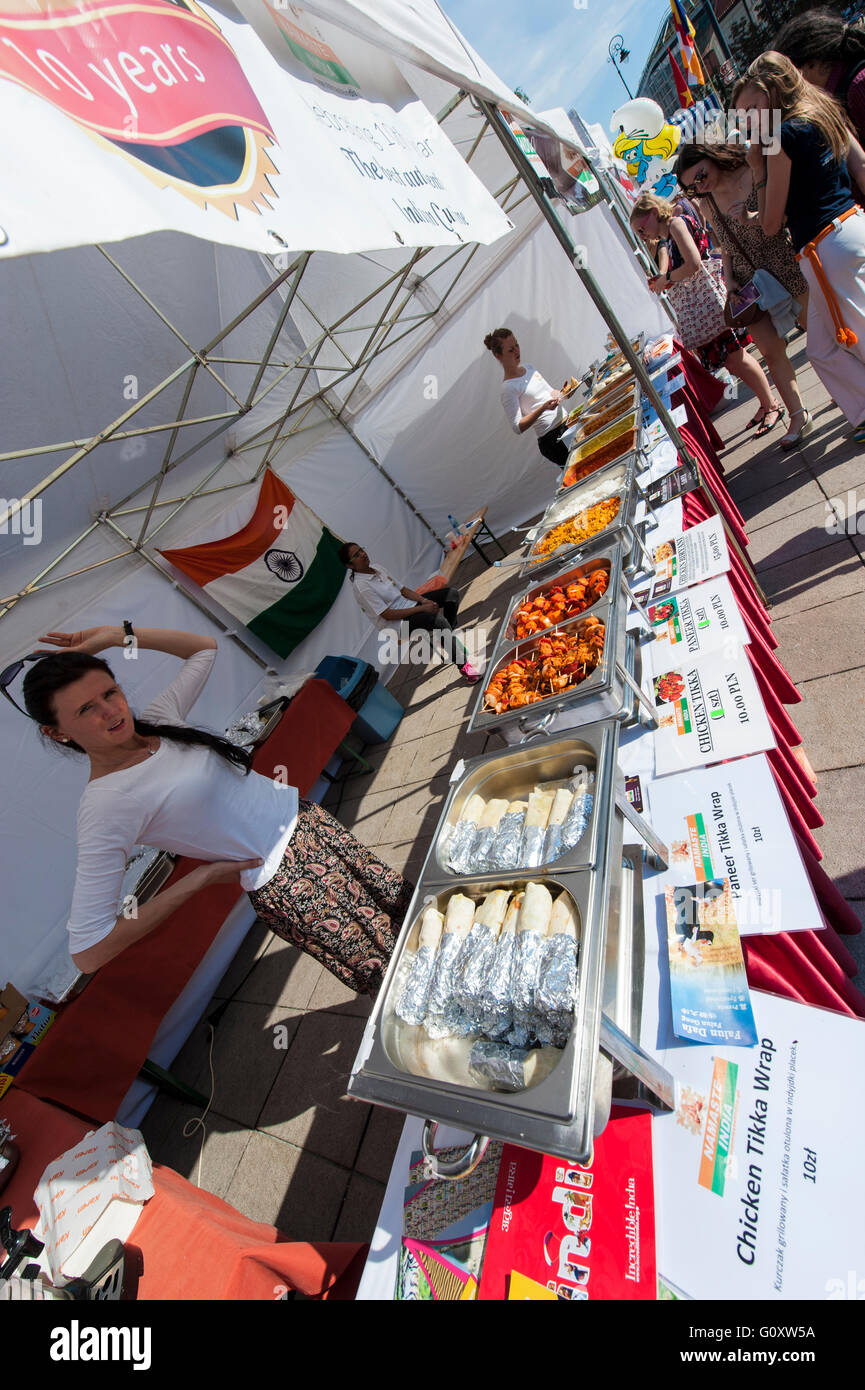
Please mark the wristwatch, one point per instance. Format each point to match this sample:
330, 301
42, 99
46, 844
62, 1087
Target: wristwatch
128, 634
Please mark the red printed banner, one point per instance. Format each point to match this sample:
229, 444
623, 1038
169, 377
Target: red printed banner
147, 72
583, 1231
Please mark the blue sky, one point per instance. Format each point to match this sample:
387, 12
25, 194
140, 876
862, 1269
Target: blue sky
557, 53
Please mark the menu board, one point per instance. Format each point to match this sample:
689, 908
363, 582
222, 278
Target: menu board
757, 1169
729, 822
697, 554
708, 710
693, 623
584, 1231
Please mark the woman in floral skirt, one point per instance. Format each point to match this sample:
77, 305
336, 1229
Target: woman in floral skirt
161, 782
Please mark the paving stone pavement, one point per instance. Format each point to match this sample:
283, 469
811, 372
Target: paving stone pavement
283, 1142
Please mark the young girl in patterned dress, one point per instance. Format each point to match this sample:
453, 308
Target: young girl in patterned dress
689, 245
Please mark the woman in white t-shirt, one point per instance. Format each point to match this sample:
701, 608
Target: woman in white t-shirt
529, 401
160, 782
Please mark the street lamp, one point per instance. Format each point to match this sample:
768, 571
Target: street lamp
617, 50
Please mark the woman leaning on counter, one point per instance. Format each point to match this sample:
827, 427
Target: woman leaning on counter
161, 782
529, 401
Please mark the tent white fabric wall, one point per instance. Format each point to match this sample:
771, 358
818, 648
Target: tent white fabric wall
80, 333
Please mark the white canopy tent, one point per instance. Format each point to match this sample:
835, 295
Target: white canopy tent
154, 379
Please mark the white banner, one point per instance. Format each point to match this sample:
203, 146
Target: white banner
269, 130
729, 822
757, 1171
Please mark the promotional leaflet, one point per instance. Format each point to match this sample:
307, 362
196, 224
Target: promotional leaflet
699, 553
703, 619
673, 484
584, 1231
757, 1170
729, 822
708, 710
708, 984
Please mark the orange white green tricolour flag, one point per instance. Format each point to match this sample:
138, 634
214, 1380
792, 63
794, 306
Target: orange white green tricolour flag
279, 575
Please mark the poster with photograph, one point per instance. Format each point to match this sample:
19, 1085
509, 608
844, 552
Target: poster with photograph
694, 622
757, 1169
708, 985
708, 710
730, 822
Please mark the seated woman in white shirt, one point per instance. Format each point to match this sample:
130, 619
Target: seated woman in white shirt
160, 782
386, 604
529, 401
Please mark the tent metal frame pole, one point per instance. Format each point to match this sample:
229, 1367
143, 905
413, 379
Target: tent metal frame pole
213, 617
163, 318
121, 434
606, 311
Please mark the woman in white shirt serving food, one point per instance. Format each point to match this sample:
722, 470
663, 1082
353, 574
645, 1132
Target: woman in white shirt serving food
161, 782
529, 401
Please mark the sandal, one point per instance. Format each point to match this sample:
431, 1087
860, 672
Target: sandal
761, 415
766, 425
794, 436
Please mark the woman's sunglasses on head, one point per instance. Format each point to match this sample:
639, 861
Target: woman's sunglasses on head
8, 675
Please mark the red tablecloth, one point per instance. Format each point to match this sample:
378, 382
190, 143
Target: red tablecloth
95, 1049
811, 967
186, 1243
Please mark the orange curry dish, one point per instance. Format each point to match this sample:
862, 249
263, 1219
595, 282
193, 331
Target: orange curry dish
560, 662
556, 604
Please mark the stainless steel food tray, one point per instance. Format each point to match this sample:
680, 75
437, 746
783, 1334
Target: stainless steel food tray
598, 690
608, 479
561, 1113
610, 559
512, 773
621, 523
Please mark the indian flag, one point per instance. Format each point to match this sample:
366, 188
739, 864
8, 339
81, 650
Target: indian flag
279, 575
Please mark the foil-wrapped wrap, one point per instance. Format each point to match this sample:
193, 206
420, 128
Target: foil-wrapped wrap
533, 846
463, 834
412, 1004
540, 805
577, 819
527, 961
460, 845
556, 990
499, 1065
505, 851
495, 1010
553, 833
478, 855
510, 1068
473, 967
443, 1015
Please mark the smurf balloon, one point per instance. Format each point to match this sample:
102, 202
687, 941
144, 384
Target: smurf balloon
647, 144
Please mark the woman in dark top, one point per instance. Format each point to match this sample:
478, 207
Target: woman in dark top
808, 182
831, 54
688, 241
